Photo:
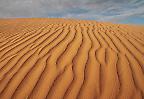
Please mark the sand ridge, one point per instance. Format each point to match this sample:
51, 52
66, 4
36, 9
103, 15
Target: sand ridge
70, 59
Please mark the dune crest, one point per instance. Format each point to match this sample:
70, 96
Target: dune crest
70, 59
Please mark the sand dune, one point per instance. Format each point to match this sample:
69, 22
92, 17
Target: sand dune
70, 59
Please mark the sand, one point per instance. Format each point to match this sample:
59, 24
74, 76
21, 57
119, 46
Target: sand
70, 59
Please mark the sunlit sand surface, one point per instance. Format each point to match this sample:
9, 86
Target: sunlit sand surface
70, 59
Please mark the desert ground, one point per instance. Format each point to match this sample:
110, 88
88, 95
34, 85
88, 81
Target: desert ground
70, 59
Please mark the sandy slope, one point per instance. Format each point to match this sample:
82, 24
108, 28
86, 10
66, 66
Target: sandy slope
70, 59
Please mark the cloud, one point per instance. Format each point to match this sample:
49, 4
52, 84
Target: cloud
101, 10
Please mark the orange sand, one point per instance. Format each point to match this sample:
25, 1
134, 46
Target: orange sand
70, 59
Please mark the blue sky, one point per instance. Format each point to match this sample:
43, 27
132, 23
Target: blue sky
117, 11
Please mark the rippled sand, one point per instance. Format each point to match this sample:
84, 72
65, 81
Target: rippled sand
70, 59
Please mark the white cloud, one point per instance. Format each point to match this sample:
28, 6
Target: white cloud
103, 10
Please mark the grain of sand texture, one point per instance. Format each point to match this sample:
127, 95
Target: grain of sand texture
70, 59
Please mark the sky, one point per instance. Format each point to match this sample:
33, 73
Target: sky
116, 11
